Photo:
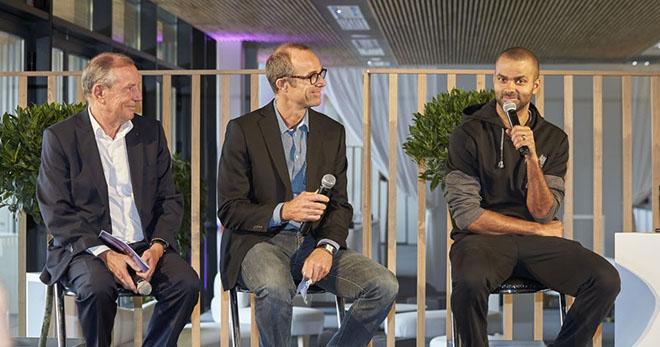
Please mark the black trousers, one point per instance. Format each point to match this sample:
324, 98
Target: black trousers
175, 286
480, 263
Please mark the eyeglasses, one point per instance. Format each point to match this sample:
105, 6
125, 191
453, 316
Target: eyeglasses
313, 77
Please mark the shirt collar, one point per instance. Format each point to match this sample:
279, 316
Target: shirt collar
100, 134
303, 125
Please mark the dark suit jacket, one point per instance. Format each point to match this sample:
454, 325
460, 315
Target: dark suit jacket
73, 193
253, 178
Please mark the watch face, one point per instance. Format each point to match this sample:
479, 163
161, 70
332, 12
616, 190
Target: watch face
330, 248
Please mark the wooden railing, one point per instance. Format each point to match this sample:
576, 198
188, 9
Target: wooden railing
480, 76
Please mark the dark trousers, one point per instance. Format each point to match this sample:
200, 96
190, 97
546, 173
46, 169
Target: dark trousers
175, 286
480, 263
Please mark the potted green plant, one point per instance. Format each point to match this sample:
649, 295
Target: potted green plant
21, 135
428, 141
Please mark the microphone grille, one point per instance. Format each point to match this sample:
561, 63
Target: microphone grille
328, 181
144, 288
509, 106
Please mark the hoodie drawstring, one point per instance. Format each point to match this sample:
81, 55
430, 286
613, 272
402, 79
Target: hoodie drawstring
501, 163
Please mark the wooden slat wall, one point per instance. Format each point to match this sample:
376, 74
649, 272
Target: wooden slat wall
195, 196
391, 191
626, 128
22, 233
538, 297
225, 114
366, 194
655, 150
449, 327
421, 230
166, 115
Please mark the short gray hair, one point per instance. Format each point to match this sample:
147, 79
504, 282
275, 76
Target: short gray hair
98, 70
279, 63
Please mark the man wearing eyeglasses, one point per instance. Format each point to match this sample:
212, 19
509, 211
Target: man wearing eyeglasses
272, 161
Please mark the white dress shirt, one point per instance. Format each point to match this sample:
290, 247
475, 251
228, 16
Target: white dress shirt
124, 216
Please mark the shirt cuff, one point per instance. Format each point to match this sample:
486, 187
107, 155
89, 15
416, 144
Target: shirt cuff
97, 250
276, 220
329, 242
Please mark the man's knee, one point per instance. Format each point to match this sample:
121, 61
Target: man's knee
607, 281
470, 285
276, 290
98, 291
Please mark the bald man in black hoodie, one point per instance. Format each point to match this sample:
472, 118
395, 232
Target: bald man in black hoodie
504, 205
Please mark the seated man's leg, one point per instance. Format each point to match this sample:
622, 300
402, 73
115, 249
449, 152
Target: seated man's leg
96, 296
266, 271
373, 288
176, 287
566, 266
479, 264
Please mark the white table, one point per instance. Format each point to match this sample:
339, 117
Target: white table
637, 313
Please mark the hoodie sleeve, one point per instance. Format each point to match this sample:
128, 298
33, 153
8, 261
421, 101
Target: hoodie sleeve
462, 187
554, 171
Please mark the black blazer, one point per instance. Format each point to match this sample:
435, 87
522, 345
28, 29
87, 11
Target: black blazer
73, 193
253, 178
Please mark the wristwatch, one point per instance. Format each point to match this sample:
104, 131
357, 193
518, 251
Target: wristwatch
164, 243
328, 248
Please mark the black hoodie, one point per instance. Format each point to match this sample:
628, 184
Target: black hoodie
486, 172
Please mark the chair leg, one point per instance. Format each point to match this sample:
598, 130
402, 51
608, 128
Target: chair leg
59, 314
341, 310
562, 309
137, 321
235, 323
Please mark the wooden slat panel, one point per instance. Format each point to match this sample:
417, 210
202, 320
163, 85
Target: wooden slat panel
539, 101
568, 194
366, 165
195, 196
568, 128
538, 297
449, 326
52, 89
626, 103
225, 113
166, 118
598, 178
421, 231
254, 92
80, 96
488, 72
254, 104
598, 164
481, 82
451, 84
138, 321
22, 233
391, 191
507, 316
655, 151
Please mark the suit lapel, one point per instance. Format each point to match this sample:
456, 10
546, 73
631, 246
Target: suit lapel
89, 153
270, 130
314, 153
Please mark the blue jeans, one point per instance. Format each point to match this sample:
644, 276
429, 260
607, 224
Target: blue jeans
272, 270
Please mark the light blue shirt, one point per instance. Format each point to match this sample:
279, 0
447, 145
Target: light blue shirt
294, 141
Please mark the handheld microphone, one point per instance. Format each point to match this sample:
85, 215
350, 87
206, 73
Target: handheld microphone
510, 109
327, 182
143, 287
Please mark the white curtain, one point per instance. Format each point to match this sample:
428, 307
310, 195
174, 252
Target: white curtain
641, 135
11, 59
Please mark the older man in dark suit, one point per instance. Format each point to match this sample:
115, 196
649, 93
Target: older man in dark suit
108, 169
272, 162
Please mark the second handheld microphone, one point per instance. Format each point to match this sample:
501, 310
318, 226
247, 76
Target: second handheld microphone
327, 182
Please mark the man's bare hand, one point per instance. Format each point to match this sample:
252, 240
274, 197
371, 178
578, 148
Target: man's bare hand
317, 265
306, 207
118, 265
151, 256
523, 136
554, 228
